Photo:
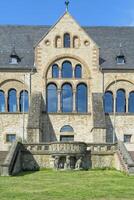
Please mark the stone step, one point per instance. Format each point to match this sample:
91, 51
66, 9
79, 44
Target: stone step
3, 155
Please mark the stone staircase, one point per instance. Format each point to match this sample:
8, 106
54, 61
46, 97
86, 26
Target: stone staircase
3, 155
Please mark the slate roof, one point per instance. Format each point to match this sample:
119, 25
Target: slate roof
108, 39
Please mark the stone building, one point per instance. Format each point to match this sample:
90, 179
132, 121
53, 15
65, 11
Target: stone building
66, 83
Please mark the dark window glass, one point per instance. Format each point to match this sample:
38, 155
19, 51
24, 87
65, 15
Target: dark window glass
66, 138
67, 40
67, 98
67, 70
52, 98
55, 71
2, 101
67, 128
12, 101
81, 98
120, 60
10, 138
78, 73
127, 138
24, 101
131, 102
108, 102
120, 101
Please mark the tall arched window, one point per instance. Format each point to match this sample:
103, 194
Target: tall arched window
69, 137
67, 40
131, 102
81, 98
52, 98
78, 71
12, 101
67, 69
108, 102
24, 101
55, 71
67, 98
120, 101
2, 101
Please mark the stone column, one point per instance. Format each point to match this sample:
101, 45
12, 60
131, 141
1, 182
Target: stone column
59, 100
74, 100
18, 102
6, 102
127, 97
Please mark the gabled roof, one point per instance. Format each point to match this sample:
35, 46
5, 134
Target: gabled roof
24, 38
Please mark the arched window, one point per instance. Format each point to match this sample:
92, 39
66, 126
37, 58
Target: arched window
55, 71
58, 42
67, 98
120, 101
78, 71
81, 98
24, 101
12, 101
2, 101
66, 128
76, 42
67, 40
67, 69
108, 102
131, 102
52, 98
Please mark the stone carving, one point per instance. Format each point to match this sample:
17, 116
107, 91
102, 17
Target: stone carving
67, 163
78, 164
56, 162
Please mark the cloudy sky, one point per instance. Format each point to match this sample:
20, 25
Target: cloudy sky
86, 12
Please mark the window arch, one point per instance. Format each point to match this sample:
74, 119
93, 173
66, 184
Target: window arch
120, 101
55, 71
81, 98
52, 98
67, 128
12, 101
78, 71
131, 102
58, 42
67, 69
76, 42
2, 101
66, 98
24, 101
67, 40
108, 102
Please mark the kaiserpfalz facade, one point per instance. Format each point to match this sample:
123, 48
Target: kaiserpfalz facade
66, 83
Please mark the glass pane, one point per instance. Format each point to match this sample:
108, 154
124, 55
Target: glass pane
12, 101
108, 102
81, 99
67, 40
67, 98
2, 101
67, 128
78, 71
11, 138
127, 138
52, 98
55, 71
24, 101
66, 138
131, 102
67, 70
120, 101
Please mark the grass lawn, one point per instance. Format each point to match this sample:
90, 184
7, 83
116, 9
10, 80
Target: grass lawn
75, 185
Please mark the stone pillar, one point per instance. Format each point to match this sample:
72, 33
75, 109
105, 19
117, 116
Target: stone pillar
6, 102
74, 100
127, 97
60, 73
18, 102
59, 100
114, 99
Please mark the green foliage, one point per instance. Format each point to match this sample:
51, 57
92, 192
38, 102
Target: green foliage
68, 185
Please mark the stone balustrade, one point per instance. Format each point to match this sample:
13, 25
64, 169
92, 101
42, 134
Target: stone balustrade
100, 148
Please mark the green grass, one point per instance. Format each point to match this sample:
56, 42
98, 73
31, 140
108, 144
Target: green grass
73, 185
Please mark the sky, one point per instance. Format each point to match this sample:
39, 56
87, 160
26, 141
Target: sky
86, 12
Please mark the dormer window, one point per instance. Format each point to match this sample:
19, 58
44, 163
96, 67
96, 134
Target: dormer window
14, 58
120, 60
